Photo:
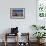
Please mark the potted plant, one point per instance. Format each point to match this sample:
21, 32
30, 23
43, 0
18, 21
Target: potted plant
39, 35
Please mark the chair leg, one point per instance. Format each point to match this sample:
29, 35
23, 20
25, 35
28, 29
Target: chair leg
5, 43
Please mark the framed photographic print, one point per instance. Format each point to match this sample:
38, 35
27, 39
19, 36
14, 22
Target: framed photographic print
17, 13
41, 8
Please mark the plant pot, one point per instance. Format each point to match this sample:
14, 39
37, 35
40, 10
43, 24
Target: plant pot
40, 41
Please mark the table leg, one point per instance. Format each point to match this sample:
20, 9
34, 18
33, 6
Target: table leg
5, 40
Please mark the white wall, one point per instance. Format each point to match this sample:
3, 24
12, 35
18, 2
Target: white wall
23, 24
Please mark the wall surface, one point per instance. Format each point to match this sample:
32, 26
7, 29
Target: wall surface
23, 24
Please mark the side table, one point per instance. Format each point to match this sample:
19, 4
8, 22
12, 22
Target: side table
8, 34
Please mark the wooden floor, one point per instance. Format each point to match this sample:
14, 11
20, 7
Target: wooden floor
13, 44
